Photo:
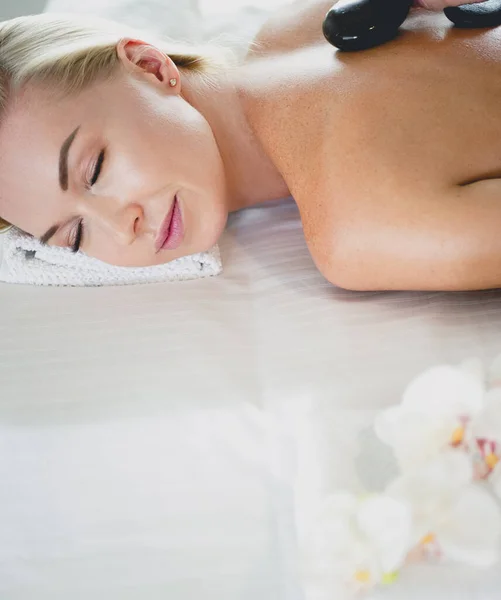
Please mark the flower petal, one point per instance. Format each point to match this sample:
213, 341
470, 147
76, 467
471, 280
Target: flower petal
431, 488
470, 530
475, 368
444, 391
330, 544
387, 523
495, 480
409, 434
333, 522
487, 424
415, 438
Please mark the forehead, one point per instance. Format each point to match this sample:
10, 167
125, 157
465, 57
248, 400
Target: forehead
37, 119
32, 130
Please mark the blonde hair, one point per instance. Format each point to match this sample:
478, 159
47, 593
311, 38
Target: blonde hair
71, 52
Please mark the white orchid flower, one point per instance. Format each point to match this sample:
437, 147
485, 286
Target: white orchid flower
483, 438
358, 542
453, 518
443, 407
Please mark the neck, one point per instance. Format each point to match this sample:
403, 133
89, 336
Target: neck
251, 176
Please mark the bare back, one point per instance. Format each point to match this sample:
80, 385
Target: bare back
366, 141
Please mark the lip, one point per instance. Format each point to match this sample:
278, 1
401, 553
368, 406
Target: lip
171, 232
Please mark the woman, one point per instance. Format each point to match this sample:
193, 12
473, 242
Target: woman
135, 152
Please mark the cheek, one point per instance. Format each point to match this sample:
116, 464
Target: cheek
204, 216
168, 134
188, 141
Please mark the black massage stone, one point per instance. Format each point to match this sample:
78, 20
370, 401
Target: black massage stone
485, 14
361, 24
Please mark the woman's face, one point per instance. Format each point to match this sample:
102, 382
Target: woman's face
113, 159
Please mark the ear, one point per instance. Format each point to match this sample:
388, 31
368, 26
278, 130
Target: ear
142, 58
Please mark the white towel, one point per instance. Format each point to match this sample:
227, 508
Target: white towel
24, 259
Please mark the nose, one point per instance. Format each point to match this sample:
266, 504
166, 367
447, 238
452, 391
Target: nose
123, 221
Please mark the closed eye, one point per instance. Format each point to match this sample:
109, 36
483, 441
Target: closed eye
75, 246
97, 169
78, 237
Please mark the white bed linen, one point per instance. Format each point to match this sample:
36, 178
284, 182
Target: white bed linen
162, 441
166, 441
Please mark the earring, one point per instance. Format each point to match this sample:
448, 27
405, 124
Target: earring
173, 82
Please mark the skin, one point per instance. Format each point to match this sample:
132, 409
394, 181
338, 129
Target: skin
157, 144
393, 156
441, 4
153, 138
281, 124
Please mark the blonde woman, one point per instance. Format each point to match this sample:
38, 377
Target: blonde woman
135, 150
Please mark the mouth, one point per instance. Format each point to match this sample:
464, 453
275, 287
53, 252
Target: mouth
171, 232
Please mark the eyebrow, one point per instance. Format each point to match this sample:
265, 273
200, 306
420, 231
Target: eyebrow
63, 178
63, 159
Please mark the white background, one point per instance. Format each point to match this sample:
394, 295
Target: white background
12, 8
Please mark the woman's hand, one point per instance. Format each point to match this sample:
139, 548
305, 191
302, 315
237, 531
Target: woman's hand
441, 4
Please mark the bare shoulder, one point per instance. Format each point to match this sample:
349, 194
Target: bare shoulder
447, 240
295, 25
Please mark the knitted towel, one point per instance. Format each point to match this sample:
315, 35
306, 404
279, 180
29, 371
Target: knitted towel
23, 259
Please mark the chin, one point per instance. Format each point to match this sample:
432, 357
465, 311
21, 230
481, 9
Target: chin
211, 232
219, 227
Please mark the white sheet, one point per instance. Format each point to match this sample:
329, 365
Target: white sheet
157, 440
165, 441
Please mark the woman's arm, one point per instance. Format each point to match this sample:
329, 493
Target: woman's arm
450, 241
